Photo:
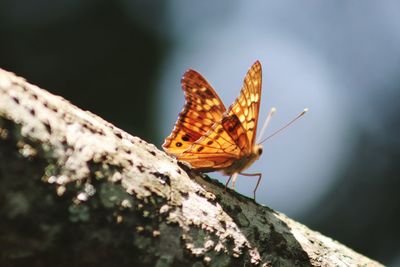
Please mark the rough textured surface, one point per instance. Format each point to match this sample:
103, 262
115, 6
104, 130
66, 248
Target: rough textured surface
76, 190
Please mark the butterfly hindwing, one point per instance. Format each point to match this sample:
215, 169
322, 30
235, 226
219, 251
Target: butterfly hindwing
202, 109
215, 150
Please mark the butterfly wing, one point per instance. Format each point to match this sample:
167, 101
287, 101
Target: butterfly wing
246, 106
219, 148
202, 109
230, 140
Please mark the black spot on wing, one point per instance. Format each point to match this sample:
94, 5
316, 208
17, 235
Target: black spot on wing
209, 93
186, 137
231, 123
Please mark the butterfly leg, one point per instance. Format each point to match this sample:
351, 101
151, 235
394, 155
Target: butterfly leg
233, 177
227, 182
258, 181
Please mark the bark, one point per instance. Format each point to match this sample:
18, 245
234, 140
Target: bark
76, 190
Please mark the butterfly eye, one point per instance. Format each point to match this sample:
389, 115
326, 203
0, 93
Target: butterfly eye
259, 151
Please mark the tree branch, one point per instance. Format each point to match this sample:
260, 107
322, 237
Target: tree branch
76, 190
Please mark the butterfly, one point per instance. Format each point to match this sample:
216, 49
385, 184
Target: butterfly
212, 138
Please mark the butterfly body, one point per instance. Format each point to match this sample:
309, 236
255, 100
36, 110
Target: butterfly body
244, 162
212, 138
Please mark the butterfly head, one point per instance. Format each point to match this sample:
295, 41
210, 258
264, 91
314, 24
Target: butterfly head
257, 151
249, 160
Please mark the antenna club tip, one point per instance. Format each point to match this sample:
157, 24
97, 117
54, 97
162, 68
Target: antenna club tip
304, 111
273, 110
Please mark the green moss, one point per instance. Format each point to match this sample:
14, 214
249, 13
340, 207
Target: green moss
50, 170
165, 261
112, 195
79, 212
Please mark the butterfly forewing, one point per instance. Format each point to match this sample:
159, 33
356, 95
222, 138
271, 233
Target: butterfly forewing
202, 109
233, 127
246, 106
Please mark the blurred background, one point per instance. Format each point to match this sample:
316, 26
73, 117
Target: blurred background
337, 170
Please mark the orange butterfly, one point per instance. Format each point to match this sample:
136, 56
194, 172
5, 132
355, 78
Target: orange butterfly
211, 138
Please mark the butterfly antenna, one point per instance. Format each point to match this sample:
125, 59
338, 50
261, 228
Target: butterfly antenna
266, 123
287, 125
